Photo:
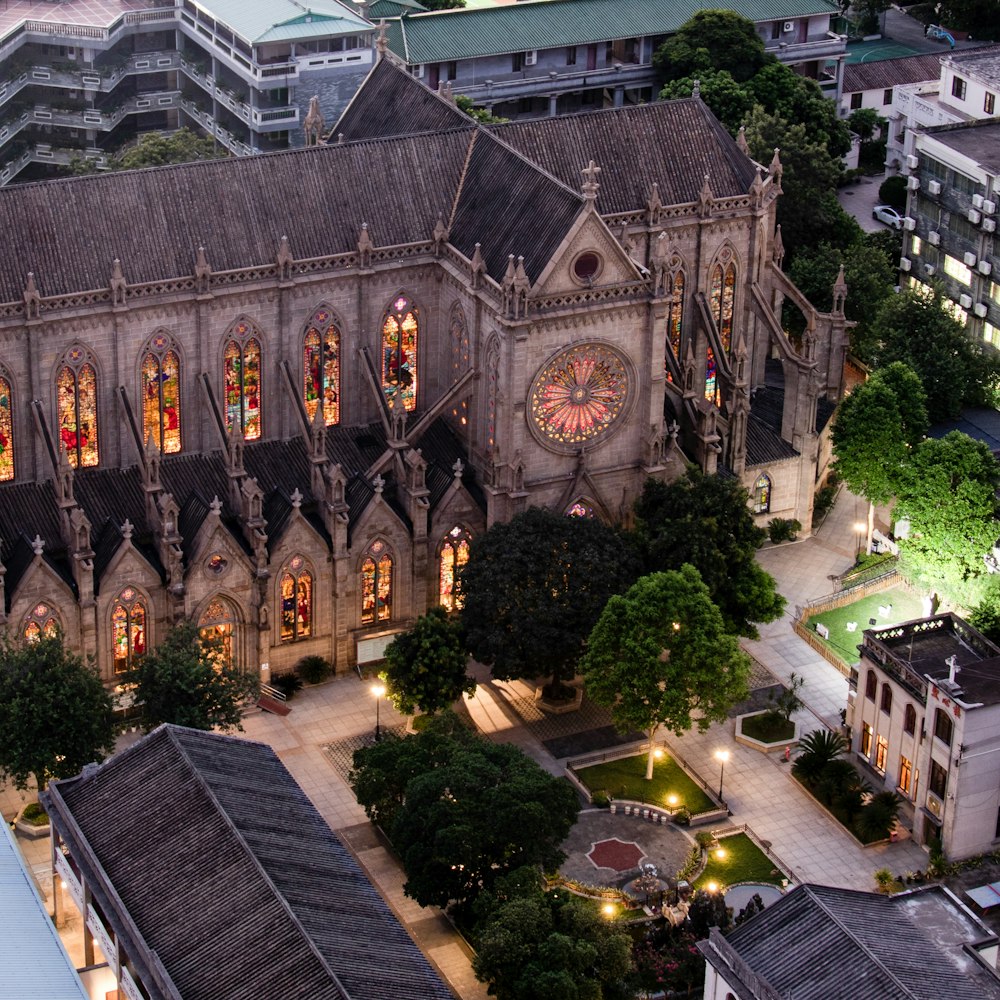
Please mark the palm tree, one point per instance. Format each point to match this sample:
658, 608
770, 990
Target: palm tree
816, 750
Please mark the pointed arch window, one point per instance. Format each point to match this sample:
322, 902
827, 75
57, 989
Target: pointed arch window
400, 333
711, 378
762, 494
459, 358
161, 395
492, 388
580, 508
6, 431
296, 602
128, 629
453, 556
76, 400
723, 298
243, 380
217, 628
321, 366
42, 623
376, 585
675, 315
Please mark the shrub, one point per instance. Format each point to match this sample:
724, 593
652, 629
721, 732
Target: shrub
878, 817
704, 839
34, 814
600, 799
782, 529
816, 750
287, 684
893, 192
313, 669
884, 880
823, 502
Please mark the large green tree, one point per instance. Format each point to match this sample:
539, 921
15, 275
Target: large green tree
533, 588
875, 428
425, 668
661, 653
55, 714
462, 811
188, 682
705, 521
712, 40
947, 491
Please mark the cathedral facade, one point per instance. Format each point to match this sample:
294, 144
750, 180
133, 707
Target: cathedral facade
280, 395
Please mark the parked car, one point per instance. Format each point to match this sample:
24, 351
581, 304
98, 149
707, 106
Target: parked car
888, 215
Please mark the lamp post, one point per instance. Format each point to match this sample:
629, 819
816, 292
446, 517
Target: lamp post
721, 756
378, 690
860, 528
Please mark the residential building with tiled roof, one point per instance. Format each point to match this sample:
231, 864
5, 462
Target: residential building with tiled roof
870, 84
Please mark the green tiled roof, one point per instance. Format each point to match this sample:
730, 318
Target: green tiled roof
271, 20
443, 36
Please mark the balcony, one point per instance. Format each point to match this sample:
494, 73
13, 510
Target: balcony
554, 83
46, 153
827, 45
204, 118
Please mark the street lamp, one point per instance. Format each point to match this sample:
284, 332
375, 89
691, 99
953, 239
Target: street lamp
721, 756
378, 690
860, 528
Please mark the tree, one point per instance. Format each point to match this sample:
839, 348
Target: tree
712, 40
425, 668
730, 102
864, 121
867, 12
705, 521
892, 191
534, 587
981, 18
662, 652
462, 812
955, 370
481, 115
55, 714
947, 491
875, 427
816, 750
154, 149
186, 681
548, 945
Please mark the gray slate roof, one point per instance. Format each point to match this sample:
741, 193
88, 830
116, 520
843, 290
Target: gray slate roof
886, 73
233, 878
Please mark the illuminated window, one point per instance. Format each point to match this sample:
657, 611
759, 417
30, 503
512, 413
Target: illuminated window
42, 623
881, 753
762, 495
866, 740
675, 314
453, 556
296, 588
76, 394
909, 719
242, 377
128, 630
161, 395
723, 297
905, 775
711, 378
886, 699
954, 268
916, 245
376, 585
580, 508
321, 366
6, 431
399, 353
217, 628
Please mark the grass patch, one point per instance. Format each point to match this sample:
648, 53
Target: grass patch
626, 779
744, 861
904, 607
768, 728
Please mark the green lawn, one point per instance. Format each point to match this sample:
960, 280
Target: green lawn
744, 861
905, 606
626, 779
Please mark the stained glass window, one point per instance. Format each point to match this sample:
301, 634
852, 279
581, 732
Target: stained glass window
711, 378
723, 295
6, 431
41, 623
492, 384
675, 315
399, 353
321, 366
580, 508
128, 630
376, 585
579, 394
76, 393
243, 388
161, 395
217, 628
454, 555
762, 495
459, 358
296, 602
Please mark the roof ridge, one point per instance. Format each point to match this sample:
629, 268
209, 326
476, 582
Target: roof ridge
461, 178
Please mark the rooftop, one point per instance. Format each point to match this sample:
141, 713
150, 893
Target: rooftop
977, 140
888, 73
984, 64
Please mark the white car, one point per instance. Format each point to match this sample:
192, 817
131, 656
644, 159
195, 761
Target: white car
888, 215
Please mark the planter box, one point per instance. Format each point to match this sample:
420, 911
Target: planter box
749, 741
30, 830
559, 707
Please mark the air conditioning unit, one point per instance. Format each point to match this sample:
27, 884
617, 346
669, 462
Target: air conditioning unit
974, 216
418, 71
989, 225
788, 26
965, 301
909, 224
970, 260
530, 58
930, 270
934, 239
904, 264
985, 267
977, 201
912, 162
913, 183
934, 187
981, 309
989, 207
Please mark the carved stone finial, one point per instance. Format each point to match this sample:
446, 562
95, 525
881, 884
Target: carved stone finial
696, 89
590, 174
778, 247
314, 123
284, 259
118, 283
296, 498
839, 292
705, 198
477, 266
382, 42
776, 169
38, 545
32, 299
202, 270
458, 468
757, 188
378, 484
365, 246
655, 205
440, 234
215, 506
127, 529
741, 140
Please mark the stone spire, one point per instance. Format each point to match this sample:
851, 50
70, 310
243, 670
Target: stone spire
590, 184
741, 140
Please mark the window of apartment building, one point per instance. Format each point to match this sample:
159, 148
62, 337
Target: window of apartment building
856, 101
871, 685
954, 268
964, 184
995, 292
955, 311
934, 167
916, 245
943, 726
887, 96
962, 228
905, 775
881, 753
571, 55
886, 704
909, 720
866, 740
991, 335
958, 87
517, 62
775, 30
939, 779
989, 102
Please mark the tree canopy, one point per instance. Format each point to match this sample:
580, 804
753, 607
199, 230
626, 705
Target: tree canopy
533, 588
661, 653
712, 40
55, 714
186, 681
705, 521
425, 668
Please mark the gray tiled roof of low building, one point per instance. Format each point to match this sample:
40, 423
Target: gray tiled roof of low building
764, 446
886, 73
28, 509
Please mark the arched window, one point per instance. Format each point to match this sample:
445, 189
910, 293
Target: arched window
459, 358
243, 380
871, 685
6, 431
762, 494
399, 353
296, 602
886, 704
376, 585
580, 508
909, 719
128, 629
321, 366
723, 297
711, 378
453, 556
42, 623
675, 314
492, 388
217, 627
161, 395
76, 394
